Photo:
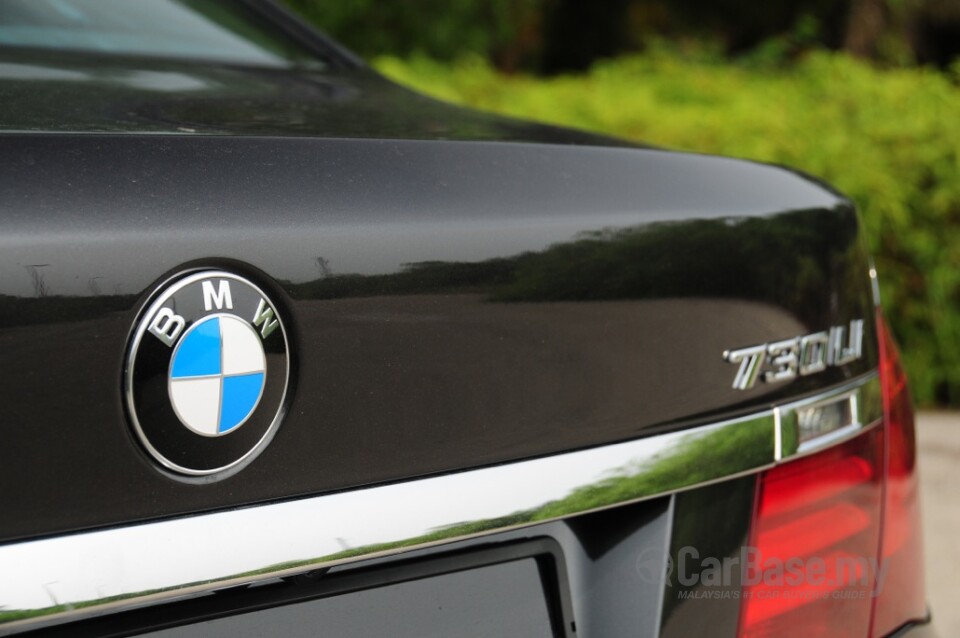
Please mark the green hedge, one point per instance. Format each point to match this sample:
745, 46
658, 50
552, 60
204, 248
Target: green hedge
441, 29
889, 138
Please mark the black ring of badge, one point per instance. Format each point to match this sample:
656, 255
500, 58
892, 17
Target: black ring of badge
156, 424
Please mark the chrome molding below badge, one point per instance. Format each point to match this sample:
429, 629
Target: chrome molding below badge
55, 580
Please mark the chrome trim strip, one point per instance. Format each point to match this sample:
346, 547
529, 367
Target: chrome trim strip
874, 283
777, 435
866, 410
54, 580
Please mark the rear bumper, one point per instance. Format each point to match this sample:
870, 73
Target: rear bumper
919, 629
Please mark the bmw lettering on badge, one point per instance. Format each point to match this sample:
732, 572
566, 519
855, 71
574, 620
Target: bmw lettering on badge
206, 375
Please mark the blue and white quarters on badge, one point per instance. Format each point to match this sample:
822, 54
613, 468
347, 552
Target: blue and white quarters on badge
216, 375
207, 372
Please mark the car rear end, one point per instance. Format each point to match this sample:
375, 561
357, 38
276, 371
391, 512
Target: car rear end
539, 382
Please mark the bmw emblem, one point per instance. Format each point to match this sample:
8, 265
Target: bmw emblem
206, 374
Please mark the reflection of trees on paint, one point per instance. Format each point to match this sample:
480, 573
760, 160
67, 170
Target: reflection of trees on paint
796, 259
40, 288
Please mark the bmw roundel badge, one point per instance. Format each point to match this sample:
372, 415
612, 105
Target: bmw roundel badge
206, 374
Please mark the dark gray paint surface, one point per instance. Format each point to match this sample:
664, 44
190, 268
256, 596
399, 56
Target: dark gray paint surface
450, 304
709, 524
63, 92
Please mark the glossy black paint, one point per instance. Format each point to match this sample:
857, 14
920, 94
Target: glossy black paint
46, 91
709, 524
450, 304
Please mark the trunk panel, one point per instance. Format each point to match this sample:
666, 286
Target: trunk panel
450, 304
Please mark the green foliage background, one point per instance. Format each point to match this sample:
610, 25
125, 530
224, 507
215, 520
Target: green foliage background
441, 29
889, 138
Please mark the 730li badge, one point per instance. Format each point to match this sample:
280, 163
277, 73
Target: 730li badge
207, 373
799, 356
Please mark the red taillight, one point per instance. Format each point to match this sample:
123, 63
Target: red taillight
817, 520
901, 595
835, 539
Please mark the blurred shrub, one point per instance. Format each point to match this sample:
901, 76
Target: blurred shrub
890, 139
550, 36
441, 29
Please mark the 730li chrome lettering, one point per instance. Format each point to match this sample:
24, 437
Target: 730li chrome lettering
800, 356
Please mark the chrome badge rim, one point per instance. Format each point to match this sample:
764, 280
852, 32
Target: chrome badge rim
207, 373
